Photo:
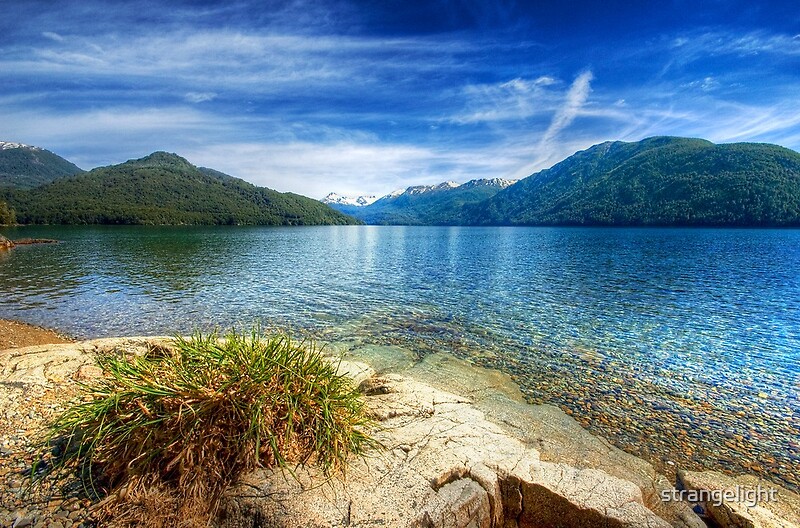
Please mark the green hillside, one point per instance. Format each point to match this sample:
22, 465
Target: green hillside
658, 181
164, 189
25, 167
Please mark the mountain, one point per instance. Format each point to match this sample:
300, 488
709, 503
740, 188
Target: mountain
25, 167
659, 181
439, 204
358, 201
164, 188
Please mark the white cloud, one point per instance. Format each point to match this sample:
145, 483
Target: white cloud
53, 36
691, 47
347, 168
736, 122
510, 100
707, 84
545, 81
231, 60
200, 97
313, 109
574, 101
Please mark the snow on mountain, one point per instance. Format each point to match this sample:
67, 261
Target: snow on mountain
492, 182
444, 186
358, 201
6, 145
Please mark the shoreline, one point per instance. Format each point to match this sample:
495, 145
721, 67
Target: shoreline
558, 437
400, 360
468, 451
461, 375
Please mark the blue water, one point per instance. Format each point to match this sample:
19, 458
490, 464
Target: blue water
696, 331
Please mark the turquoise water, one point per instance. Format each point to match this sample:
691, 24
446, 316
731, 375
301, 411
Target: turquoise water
680, 345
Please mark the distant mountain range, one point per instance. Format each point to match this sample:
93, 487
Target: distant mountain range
659, 181
163, 188
26, 167
440, 204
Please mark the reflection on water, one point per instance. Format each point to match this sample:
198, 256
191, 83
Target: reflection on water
682, 344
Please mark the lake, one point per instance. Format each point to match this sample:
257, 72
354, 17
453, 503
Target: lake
678, 345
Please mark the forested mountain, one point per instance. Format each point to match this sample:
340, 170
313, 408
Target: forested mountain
163, 188
660, 181
25, 167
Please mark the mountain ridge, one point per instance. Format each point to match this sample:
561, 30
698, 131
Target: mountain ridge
163, 189
436, 204
658, 181
25, 167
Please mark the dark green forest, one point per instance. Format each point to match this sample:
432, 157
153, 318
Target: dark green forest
7, 215
661, 181
163, 189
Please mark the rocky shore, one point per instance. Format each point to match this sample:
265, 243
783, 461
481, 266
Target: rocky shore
8, 244
460, 449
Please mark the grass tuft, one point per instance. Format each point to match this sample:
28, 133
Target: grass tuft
187, 420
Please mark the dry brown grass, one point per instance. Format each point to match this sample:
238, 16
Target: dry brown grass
169, 431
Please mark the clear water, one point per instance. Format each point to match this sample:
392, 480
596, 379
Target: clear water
677, 344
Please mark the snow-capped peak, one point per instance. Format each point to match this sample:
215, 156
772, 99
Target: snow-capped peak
5, 145
358, 201
492, 182
419, 189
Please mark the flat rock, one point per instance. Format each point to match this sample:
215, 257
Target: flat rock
444, 465
45, 365
556, 436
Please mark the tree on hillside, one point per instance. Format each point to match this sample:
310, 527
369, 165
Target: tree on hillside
7, 216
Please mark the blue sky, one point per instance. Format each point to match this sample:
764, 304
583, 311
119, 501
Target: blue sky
367, 97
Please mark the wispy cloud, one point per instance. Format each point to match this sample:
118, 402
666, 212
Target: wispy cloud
509, 100
113, 135
748, 44
234, 59
200, 97
53, 36
576, 97
706, 84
